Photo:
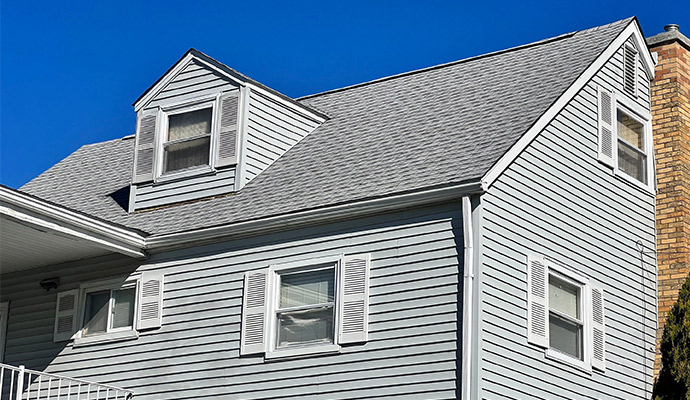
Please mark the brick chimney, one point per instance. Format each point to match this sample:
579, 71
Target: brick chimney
671, 126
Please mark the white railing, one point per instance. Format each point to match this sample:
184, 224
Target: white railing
19, 383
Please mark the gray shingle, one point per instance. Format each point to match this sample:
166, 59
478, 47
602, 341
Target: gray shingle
429, 128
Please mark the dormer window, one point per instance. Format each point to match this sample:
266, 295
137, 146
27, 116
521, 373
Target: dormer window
188, 140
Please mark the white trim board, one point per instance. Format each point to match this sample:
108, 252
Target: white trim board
28, 210
514, 152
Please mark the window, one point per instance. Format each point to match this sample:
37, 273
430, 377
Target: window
188, 140
632, 155
114, 309
625, 138
566, 324
109, 310
565, 314
306, 307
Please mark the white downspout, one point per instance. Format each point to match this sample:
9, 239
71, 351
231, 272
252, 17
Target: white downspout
467, 306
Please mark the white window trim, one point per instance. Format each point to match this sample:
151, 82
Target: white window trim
212, 102
272, 351
117, 334
644, 117
585, 305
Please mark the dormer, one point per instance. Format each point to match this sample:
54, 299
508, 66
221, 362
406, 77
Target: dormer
205, 130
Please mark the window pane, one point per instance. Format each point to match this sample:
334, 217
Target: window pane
306, 326
632, 162
564, 297
305, 288
186, 154
189, 124
123, 308
630, 130
96, 313
565, 336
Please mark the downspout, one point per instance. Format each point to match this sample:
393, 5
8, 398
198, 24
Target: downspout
467, 306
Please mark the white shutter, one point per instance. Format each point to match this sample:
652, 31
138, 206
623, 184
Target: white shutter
150, 313
66, 315
227, 129
144, 150
254, 312
598, 328
607, 133
4, 310
537, 301
353, 304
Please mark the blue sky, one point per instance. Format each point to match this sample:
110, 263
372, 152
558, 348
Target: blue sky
69, 71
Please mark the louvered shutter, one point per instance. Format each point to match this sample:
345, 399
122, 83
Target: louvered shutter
537, 301
66, 315
607, 138
353, 301
227, 129
630, 70
150, 301
598, 328
4, 310
254, 312
144, 154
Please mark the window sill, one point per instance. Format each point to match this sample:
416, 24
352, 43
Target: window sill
302, 351
184, 174
105, 338
566, 359
648, 189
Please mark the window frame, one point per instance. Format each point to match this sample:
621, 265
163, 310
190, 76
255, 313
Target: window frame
164, 113
639, 114
110, 334
275, 270
583, 283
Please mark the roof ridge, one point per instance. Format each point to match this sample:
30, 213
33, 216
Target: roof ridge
109, 140
464, 60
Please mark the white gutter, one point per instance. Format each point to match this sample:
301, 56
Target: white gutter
313, 217
467, 293
29, 210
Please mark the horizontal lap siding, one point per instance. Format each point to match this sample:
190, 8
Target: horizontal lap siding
272, 129
556, 199
152, 195
414, 314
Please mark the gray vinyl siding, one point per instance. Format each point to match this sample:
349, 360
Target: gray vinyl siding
192, 82
412, 352
151, 194
557, 200
272, 129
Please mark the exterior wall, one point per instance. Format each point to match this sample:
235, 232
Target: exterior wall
413, 346
671, 116
272, 129
557, 200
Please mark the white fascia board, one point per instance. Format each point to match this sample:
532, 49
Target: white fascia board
163, 82
28, 210
512, 154
313, 217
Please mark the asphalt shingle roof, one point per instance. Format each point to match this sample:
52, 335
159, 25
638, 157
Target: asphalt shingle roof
429, 128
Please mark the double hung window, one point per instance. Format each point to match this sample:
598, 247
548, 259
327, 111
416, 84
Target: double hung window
632, 146
306, 307
187, 140
565, 314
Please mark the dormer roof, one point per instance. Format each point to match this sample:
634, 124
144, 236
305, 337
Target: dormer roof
440, 127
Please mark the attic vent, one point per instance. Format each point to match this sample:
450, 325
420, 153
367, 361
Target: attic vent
629, 73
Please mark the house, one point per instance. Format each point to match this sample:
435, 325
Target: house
671, 116
479, 229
